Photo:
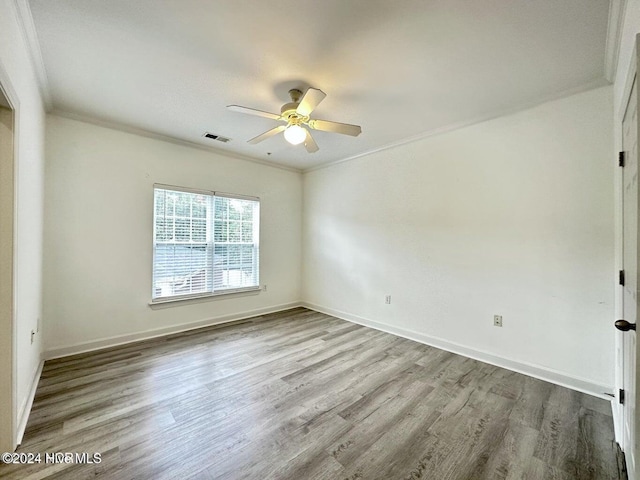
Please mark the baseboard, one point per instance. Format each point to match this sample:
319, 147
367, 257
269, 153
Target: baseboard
536, 371
160, 332
25, 409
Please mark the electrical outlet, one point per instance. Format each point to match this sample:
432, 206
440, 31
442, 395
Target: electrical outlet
497, 320
33, 334
387, 299
264, 287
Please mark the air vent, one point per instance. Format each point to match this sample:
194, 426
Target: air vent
219, 138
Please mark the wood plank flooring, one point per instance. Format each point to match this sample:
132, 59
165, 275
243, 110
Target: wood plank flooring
302, 395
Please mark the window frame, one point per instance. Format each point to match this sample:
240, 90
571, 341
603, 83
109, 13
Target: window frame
209, 219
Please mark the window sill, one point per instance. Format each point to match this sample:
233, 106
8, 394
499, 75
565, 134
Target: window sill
182, 300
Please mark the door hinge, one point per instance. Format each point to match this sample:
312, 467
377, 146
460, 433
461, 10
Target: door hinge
621, 277
621, 396
621, 159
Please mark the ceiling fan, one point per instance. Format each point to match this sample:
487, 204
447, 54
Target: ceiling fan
296, 116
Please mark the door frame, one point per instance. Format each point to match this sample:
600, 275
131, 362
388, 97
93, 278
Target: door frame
617, 407
9, 437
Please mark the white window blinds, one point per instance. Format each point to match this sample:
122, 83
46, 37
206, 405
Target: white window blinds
204, 243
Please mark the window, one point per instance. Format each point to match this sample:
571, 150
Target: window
204, 243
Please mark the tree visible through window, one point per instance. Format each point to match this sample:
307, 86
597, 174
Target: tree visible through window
204, 243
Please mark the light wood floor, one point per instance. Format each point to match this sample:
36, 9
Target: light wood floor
302, 395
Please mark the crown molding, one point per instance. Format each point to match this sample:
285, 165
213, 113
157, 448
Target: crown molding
597, 83
28, 29
166, 138
617, 9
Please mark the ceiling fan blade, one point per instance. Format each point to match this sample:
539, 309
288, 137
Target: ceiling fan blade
335, 127
309, 101
267, 134
253, 111
310, 144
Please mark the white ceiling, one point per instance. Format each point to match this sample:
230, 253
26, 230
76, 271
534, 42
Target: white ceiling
400, 69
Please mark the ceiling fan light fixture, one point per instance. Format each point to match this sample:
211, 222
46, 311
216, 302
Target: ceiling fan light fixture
295, 134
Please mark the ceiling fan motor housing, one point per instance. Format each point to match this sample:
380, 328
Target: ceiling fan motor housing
288, 109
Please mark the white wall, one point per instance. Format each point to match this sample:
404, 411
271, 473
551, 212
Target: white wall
513, 216
98, 234
18, 76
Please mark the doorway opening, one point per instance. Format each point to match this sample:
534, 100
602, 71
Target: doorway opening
8, 409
